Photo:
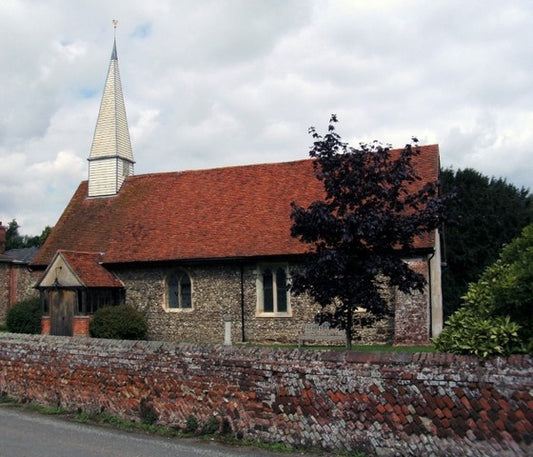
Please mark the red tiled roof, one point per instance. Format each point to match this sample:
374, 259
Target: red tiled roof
89, 270
228, 212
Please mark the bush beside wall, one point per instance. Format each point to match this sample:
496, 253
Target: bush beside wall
118, 322
24, 317
386, 404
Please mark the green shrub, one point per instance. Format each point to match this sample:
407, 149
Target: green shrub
24, 317
496, 318
191, 424
505, 289
467, 333
147, 411
120, 322
211, 427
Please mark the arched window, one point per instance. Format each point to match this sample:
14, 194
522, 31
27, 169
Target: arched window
179, 291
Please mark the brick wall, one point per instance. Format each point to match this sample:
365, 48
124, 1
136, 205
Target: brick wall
388, 404
80, 325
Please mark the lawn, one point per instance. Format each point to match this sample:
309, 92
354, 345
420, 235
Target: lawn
355, 347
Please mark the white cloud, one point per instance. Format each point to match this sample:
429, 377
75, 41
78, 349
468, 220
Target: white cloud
42, 189
239, 81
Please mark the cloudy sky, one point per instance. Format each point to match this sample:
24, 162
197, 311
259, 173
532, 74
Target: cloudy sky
210, 83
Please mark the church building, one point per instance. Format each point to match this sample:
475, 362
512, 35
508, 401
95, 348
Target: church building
193, 250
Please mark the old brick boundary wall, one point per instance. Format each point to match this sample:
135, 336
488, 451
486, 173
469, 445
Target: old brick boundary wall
385, 403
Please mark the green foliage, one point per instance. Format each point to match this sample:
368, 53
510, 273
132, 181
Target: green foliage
191, 424
506, 287
471, 334
118, 322
14, 240
212, 426
147, 411
496, 318
485, 216
44, 235
24, 317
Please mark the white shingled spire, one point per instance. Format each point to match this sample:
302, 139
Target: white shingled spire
111, 158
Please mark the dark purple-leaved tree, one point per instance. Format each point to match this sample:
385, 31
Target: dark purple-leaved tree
374, 208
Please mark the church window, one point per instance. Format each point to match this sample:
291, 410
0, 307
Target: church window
179, 291
273, 291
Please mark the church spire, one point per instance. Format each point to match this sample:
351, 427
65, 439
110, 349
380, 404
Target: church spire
111, 157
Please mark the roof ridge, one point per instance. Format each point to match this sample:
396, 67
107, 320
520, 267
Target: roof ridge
215, 168
73, 251
249, 165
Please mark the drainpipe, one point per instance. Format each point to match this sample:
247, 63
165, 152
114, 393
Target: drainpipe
243, 334
430, 288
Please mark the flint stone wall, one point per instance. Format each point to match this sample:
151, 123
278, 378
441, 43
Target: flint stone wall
387, 404
230, 291
217, 295
16, 284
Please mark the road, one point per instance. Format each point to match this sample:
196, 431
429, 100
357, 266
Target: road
28, 434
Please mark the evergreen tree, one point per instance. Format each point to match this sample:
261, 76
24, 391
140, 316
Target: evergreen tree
14, 240
485, 215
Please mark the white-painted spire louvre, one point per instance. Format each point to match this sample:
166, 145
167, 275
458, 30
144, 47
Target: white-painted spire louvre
111, 157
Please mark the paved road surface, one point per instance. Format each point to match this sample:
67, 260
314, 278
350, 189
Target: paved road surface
28, 434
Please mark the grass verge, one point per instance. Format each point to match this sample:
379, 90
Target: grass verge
355, 347
108, 420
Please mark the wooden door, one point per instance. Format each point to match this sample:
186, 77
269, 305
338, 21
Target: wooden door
62, 303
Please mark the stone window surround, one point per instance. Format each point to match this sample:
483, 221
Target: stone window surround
180, 272
259, 289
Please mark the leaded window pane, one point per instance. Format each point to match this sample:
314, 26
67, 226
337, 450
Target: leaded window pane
173, 292
281, 290
185, 284
268, 292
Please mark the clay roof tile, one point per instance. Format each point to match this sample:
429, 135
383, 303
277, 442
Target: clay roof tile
230, 212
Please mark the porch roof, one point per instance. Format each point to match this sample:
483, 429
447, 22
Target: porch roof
82, 269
